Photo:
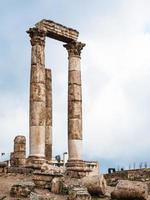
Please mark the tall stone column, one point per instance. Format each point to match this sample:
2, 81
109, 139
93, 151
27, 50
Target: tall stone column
37, 97
74, 104
48, 126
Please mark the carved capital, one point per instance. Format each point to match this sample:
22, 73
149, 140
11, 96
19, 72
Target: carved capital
74, 48
37, 36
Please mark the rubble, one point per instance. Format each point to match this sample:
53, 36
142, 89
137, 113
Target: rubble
22, 189
129, 190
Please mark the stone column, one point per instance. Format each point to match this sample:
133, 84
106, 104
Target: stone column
74, 104
48, 127
18, 157
37, 97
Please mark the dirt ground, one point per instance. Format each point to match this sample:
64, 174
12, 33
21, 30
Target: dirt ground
7, 180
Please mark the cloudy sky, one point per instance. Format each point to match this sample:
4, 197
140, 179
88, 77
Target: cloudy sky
115, 75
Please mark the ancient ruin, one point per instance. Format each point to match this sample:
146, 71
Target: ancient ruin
39, 176
41, 96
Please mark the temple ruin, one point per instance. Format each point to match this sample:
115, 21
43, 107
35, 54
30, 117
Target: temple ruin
41, 95
73, 178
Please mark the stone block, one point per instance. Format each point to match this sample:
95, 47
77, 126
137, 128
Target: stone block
37, 74
2, 197
57, 31
75, 93
37, 92
37, 114
130, 190
56, 186
42, 180
79, 193
48, 151
35, 196
48, 116
75, 109
74, 63
22, 189
37, 55
75, 129
75, 77
37, 141
96, 185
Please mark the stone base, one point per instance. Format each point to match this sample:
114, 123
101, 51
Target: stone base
76, 169
35, 162
20, 170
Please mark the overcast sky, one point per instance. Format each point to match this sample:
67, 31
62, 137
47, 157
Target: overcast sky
115, 75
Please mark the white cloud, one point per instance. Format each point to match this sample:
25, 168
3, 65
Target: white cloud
117, 72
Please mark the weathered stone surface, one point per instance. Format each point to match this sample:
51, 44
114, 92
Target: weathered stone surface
56, 186
48, 123
18, 157
37, 74
20, 170
75, 150
79, 193
48, 151
74, 92
67, 183
51, 169
96, 185
37, 143
22, 189
35, 196
75, 129
2, 197
48, 116
38, 92
38, 55
74, 48
76, 169
37, 114
37, 95
130, 190
57, 31
75, 109
75, 77
42, 180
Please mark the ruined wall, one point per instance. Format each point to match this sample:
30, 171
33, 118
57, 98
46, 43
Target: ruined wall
133, 175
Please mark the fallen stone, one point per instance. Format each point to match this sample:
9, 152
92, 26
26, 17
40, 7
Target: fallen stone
42, 180
2, 197
50, 169
96, 185
130, 190
56, 186
35, 196
79, 193
22, 189
67, 183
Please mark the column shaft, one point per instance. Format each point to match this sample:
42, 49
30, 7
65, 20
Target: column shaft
74, 101
48, 126
37, 95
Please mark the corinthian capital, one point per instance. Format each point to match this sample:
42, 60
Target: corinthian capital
37, 36
74, 48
